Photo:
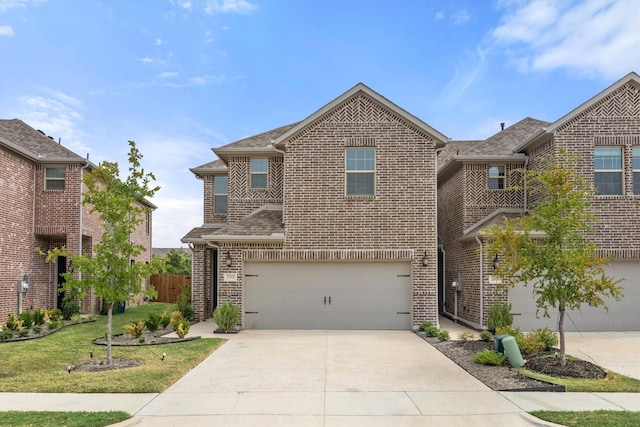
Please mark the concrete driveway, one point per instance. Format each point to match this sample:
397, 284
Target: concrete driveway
328, 378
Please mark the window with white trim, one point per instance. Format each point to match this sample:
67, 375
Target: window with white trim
496, 177
259, 169
636, 170
607, 167
54, 178
361, 171
220, 194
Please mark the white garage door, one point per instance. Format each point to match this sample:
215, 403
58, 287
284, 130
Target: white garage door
327, 295
623, 315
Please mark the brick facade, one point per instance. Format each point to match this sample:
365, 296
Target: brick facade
33, 217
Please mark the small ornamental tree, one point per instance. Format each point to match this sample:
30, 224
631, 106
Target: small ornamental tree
120, 206
548, 247
177, 262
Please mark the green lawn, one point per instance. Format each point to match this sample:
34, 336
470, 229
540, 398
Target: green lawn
40, 365
613, 383
58, 419
591, 418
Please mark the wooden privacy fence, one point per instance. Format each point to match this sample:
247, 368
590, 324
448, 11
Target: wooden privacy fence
169, 286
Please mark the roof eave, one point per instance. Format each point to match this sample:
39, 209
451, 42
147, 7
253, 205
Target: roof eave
232, 238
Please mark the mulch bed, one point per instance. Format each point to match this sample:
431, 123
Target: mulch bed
503, 378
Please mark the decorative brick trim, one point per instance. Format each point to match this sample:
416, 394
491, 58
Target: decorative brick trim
360, 142
329, 255
620, 254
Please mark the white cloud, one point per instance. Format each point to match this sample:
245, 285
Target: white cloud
14, 4
57, 115
186, 5
6, 31
466, 74
160, 42
460, 17
595, 37
439, 15
175, 217
229, 6
146, 60
167, 74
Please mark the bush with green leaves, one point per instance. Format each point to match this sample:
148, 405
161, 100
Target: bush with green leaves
6, 335
489, 357
429, 329
499, 316
26, 318
13, 324
76, 318
486, 336
183, 303
465, 336
39, 317
54, 324
70, 303
424, 325
135, 329
36, 329
54, 314
443, 335
548, 337
165, 319
226, 316
181, 327
23, 333
152, 322
530, 343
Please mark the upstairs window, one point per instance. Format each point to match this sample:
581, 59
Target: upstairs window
608, 170
636, 170
54, 178
220, 196
496, 177
361, 173
259, 169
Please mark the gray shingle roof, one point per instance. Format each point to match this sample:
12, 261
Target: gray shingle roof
34, 143
500, 144
196, 233
258, 141
264, 222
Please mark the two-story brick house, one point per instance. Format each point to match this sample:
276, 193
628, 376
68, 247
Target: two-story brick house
327, 223
474, 180
41, 193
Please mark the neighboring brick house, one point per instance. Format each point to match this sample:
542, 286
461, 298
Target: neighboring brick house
327, 223
473, 192
40, 189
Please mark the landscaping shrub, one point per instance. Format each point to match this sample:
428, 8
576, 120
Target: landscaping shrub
165, 319
23, 333
26, 318
499, 316
466, 336
6, 335
430, 330
486, 336
135, 329
54, 324
175, 316
489, 357
548, 337
38, 317
36, 329
531, 343
54, 314
76, 318
226, 316
181, 327
424, 325
153, 322
183, 303
13, 324
443, 335
70, 304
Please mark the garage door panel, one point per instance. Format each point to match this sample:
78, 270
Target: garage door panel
622, 315
327, 295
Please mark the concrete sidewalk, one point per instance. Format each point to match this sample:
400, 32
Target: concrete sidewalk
327, 378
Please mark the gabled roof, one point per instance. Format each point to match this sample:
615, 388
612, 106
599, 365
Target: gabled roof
22, 138
195, 235
216, 167
632, 77
440, 139
257, 144
497, 148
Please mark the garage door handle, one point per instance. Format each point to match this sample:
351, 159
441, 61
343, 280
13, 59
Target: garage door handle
403, 312
329, 300
251, 312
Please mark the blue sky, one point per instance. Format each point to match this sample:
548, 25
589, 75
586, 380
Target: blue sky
180, 77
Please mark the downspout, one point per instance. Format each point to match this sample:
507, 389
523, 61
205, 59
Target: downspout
481, 283
444, 285
82, 168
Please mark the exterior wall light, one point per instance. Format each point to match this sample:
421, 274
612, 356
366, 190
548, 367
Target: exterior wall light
496, 262
228, 260
425, 259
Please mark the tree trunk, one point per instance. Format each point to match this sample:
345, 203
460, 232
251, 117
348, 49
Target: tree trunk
109, 321
563, 359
